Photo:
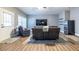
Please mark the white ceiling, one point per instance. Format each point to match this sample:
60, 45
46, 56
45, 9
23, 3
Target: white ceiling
42, 11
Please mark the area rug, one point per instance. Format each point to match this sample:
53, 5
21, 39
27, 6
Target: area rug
33, 41
10, 40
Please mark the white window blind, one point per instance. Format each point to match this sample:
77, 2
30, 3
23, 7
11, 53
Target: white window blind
22, 21
19, 21
7, 19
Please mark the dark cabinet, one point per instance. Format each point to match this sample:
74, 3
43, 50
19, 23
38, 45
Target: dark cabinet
69, 27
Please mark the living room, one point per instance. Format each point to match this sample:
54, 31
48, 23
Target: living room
49, 19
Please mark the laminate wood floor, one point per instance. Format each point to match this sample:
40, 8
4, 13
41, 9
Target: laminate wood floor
19, 45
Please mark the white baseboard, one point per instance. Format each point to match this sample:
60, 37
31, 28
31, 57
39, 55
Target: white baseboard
77, 34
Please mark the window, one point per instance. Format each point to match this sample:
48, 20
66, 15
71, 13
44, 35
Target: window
7, 19
22, 21
19, 21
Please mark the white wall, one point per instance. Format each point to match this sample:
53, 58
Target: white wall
74, 15
5, 32
52, 20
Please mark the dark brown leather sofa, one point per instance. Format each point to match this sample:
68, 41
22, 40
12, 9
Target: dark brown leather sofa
52, 34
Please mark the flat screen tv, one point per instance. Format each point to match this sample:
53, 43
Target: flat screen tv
41, 22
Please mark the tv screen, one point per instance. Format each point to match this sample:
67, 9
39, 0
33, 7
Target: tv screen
41, 22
